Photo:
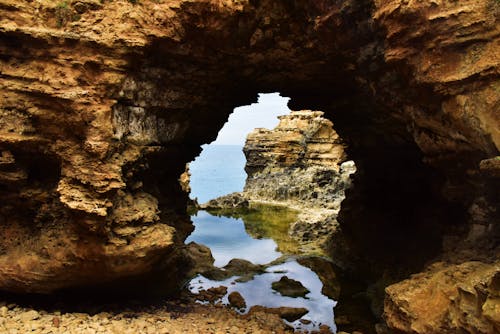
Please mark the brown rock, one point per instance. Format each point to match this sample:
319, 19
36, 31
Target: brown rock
56, 322
212, 294
298, 160
289, 287
198, 258
100, 114
236, 300
288, 313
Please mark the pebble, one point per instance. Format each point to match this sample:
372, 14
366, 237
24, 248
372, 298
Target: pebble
29, 315
156, 320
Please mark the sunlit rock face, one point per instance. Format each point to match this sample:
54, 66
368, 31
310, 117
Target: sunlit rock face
300, 160
102, 104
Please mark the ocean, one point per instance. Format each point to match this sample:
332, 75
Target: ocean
218, 170
255, 237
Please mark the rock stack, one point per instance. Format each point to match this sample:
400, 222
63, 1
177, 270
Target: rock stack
302, 160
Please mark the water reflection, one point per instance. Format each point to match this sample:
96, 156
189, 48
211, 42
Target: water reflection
228, 238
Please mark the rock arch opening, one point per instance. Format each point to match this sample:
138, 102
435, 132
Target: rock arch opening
272, 229
219, 169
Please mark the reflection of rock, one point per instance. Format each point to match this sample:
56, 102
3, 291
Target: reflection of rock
287, 313
236, 300
290, 287
267, 221
326, 273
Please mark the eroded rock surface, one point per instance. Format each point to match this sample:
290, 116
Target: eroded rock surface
446, 299
102, 104
299, 160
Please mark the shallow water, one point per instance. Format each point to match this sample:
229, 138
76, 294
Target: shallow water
228, 238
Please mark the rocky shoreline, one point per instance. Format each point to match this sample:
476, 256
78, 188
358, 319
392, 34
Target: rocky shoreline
300, 165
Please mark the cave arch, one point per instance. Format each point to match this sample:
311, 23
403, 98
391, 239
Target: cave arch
403, 83
337, 59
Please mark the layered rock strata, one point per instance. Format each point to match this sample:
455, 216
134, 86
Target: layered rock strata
301, 160
103, 103
301, 163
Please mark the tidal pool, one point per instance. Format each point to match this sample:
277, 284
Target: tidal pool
229, 238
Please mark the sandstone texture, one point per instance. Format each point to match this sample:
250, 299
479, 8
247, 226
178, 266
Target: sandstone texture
298, 161
301, 163
447, 299
103, 103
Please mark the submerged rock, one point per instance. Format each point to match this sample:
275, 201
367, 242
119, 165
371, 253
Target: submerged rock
236, 267
323, 267
290, 287
288, 313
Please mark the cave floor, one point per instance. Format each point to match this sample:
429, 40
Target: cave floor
180, 316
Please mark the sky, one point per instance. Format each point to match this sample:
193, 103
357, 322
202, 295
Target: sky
243, 120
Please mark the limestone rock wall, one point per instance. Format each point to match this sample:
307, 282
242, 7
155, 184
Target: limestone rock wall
301, 160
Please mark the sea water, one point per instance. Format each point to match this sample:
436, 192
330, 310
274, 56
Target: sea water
219, 170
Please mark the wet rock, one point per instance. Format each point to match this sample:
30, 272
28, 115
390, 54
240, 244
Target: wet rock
324, 329
198, 258
289, 287
323, 267
212, 295
241, 267
228, 202
236, 267
292, 313
287, 313
236, 300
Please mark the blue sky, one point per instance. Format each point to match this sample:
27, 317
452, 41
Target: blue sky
262, 114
